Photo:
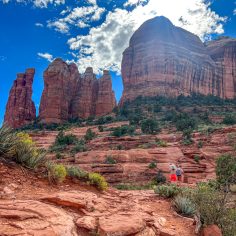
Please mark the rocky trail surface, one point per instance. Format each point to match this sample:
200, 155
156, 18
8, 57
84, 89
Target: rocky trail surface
29, 205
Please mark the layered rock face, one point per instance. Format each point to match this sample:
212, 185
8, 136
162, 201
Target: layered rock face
20, 108
166, 60
68, 94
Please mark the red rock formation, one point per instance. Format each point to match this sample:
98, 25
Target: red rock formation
223, 52
20, 108
67, 94
163, 59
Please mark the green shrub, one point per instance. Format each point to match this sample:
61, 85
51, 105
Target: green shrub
184, 206
200, 144
226, 170
229, 120
196, 158
65, 139
184, 122
162, 143
75, 172
89, 135
160, 178
157, 108
152, 165
167, 191
149, 126
110, 160
80, 146
56, 172
100, 128
120, 147
59, 156
8, 141
123, 130
98, 181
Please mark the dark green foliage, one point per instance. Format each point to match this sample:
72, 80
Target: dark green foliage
226, 170
89, 135
150, 126
110, 160
167, 191
123, 130
185, 122
100, 128
80, 146
157, 108
104, 120
65, 139
75, 172
196, 158
120, 147
229, 120
152, 165
200, 144
160, 178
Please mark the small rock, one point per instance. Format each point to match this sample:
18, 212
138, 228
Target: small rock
211, 230
167, 232
161, 221
87, 222
8, 191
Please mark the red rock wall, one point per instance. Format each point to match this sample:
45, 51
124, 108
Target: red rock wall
166, 60
67, 94
20, 109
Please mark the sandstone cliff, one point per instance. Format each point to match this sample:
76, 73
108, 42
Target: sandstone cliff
163, 59
20, 108
68, 94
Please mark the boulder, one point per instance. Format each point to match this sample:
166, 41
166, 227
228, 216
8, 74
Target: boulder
211, 230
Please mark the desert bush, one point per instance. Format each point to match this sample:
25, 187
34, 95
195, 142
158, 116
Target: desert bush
89, 135
65, 139
110, 160
160, 178
80, 146
229, 120
184, 122
196, 158
184, 205
75, 172
150, 126
123, 130
167, 191
8, 141
120, 147
200, 144
98, 181
56, 172
161, 143
100, 128
152, 165
26, 152
226, 170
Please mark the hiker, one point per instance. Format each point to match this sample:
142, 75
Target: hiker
173, 177
179, 173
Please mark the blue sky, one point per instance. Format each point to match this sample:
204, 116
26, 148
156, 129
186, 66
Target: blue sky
92, 33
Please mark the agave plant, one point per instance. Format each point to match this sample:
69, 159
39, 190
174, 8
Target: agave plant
184, 205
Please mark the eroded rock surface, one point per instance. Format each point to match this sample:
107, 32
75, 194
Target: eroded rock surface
69, 95
20, 109
166, 60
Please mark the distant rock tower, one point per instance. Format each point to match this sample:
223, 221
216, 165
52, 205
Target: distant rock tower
20, 108
68, 94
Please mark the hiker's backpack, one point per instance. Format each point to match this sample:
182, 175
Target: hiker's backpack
178, 172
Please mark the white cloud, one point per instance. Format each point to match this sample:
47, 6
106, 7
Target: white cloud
134, 2
103, 46
38, 3
39, 25
234, 11
44, 3
78, 16
46, 56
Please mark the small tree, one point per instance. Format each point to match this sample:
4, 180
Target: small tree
149, 126
89, 135
226, 170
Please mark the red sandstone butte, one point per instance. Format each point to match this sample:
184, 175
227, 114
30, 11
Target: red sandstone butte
20, 109
68, 94
166, 60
